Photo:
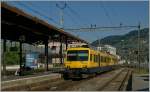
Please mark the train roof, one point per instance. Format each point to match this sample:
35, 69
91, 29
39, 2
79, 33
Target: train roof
78, 48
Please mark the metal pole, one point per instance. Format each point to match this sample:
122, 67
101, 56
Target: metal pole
60, 52
4, 51
46, 54
122, 49
99, 42
139, 45
62, 25
62, 18
61, 13
20, 73
66, 43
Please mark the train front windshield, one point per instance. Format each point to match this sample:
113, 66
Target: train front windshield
77, 55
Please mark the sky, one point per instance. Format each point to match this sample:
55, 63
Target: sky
81, 14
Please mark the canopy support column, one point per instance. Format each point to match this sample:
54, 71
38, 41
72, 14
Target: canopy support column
20, 55
66, 43
46, 54
60, 52
4, 51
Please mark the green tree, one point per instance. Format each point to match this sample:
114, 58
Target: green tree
12, 58
12, 55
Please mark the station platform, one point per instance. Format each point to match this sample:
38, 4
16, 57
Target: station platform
23, 81
140, 82
55, 70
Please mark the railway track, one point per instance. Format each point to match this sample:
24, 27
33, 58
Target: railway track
58, 85
72, 85
118, 82
64, 85
112, 80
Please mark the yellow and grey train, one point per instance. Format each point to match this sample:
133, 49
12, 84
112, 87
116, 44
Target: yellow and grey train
81, 61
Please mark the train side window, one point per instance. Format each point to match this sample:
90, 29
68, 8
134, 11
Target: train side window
94, 58
97, 59
101, 58
90, 57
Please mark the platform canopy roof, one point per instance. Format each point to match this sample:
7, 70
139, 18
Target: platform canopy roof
20, 26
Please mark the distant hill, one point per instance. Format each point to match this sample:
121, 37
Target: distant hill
127, 45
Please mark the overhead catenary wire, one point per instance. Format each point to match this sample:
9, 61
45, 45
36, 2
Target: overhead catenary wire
61, 13
85, 28
106, 13
70, 13
65, 12
115, 13
71, 17
31, 3
100, 28
78, 17
37, 12
91, 28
